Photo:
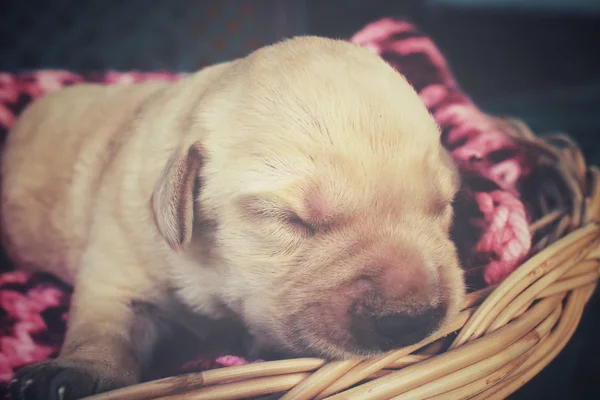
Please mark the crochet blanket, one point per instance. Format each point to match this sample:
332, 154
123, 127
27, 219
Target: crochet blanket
491, 228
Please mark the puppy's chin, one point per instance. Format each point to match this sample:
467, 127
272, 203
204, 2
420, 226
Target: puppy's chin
320, 349
292, 340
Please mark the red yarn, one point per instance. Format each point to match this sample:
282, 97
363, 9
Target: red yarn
22, 313
491, 228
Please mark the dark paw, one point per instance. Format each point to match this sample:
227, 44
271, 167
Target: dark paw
57, 380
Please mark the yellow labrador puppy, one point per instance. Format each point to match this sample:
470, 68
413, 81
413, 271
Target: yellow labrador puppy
302, 189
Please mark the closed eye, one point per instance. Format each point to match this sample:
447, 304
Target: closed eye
262, 209
299, 225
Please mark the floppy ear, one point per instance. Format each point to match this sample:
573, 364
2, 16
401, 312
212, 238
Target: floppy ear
173, 196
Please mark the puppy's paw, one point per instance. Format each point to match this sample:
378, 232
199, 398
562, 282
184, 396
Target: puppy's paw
60, 380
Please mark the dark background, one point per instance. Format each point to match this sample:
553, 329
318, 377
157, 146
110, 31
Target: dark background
538, 60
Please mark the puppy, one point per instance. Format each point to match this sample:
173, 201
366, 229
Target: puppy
302, 190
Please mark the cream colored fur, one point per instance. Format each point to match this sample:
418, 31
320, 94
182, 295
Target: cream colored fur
279, 188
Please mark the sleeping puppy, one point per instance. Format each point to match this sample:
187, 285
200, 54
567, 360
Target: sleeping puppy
302, 190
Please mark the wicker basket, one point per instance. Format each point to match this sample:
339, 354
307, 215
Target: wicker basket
503, 337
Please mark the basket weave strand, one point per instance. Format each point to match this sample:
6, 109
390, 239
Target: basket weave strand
505, 335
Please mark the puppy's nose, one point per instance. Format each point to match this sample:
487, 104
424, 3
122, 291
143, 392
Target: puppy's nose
400, 330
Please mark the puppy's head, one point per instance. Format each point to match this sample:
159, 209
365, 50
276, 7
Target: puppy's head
329, 197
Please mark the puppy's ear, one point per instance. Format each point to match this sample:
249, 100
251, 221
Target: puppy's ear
173, 196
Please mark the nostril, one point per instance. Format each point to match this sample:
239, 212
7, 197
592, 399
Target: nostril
399, 330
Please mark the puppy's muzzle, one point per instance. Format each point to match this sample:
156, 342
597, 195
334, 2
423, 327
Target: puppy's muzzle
397, 306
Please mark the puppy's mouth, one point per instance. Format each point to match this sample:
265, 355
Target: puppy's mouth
358, 336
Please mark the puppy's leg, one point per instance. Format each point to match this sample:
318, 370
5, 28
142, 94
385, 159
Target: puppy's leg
108, 339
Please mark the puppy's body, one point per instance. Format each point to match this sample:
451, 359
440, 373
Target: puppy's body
228, 192
69, 151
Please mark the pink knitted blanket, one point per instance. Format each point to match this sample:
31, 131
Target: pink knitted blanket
491, 228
